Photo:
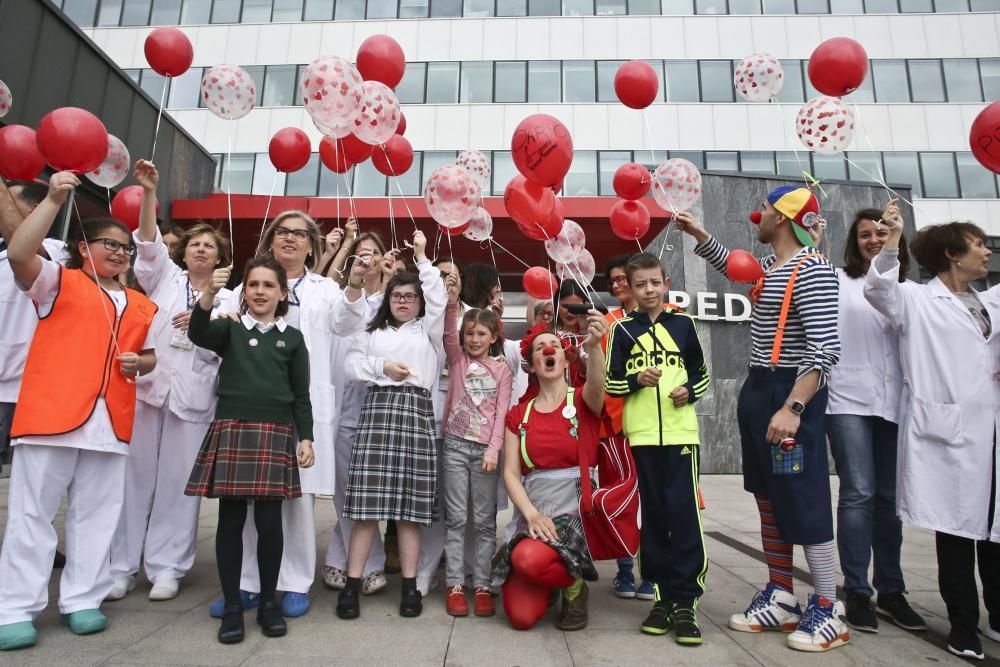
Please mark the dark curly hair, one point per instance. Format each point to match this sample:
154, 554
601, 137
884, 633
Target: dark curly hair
933, 244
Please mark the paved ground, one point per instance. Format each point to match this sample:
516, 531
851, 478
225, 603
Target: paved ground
180, 631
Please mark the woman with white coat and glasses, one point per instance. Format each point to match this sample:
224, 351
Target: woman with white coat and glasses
950, 352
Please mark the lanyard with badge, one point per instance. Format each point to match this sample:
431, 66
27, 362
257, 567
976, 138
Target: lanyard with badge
180, 339
293, 294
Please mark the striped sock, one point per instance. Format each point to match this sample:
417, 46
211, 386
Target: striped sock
823, 566
777, 552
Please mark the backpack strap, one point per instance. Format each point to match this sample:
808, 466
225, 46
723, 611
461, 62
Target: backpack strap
786, 303
573, 420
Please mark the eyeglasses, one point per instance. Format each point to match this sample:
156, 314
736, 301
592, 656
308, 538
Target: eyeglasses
299, 234
114, 246
398, 297
618, 280
544, 315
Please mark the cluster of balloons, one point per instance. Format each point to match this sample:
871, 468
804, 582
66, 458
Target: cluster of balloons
837, 67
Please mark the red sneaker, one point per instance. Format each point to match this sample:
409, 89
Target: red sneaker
484, 602
455, 601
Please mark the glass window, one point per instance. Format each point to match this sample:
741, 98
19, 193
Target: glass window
985, 5
977, 181
609, 163
675, 7
578, 81
961, 76
606, 70
697, 158
503, 171
442, 83
846, 7
185, 90
890, 80
279, 86
544, 7
349, 9
990, 72
790, 164
813, 7
757, 162
256, 11
951, 5
256, 73
864, 93
381, 9
811, 91
912, 6
110, 12
722, 160
511, 79
866, 166
744, 6
446, 7
478, 8
332, 184
134, 74
196, 12
477, 81
578, 7
413, 9
318, 10
682, 81
368, 182
238, 173
153, 84
791, 89
716, 80
287, 10
829, 166
902, 168
81, 12
166, 12
408, 182
512, 7
225, 11
610, 7
302, 183
266, 179
544, 81
644, 6
710, 6
881, 7
926, 81
411, 89
939, 174
581, 181
779, 6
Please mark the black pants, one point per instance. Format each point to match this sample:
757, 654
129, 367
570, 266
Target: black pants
671, 548
229, 546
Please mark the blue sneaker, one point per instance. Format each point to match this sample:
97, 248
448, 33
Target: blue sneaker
247, 599
821, 627
624, 584
645, 590
294, 604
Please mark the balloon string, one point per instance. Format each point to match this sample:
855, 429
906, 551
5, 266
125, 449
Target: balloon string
267, 209
868, 140
494, 241
649, 137
159, 115
890, 190
803, 166
227, 176
399, 189
451, 251
110, 212
640, 246
392, 218
350, 194
437, 245
337, 181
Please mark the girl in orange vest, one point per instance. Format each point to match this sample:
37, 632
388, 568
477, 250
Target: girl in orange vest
73, 420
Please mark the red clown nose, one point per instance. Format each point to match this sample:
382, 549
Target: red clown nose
548, 350
755, 217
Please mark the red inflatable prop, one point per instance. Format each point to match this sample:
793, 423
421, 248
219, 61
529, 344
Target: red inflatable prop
838, 66
542, 149
289, 149
72, 139
333, 157
394, 157
629, 219
168, 51
528, 204
126, 204
381, 58
632, 181
742, 267
984, 137
540, 564
539, 283
19, 156
636, 84
550, 228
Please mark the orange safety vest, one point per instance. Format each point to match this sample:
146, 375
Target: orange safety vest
72, 360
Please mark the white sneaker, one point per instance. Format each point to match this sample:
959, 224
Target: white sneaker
334, 577
821, 627
164, 588
120, 587
771, 609
373, 583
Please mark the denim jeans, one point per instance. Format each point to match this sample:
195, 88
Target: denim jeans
465, 485
864, 449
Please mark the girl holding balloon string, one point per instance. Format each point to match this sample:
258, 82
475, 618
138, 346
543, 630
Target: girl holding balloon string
74, 417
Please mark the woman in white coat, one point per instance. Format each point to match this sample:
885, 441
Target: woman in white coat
949, 347
176, 403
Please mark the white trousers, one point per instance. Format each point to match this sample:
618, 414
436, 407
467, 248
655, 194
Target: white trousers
298, 560
340, 536
156, 511
40, 476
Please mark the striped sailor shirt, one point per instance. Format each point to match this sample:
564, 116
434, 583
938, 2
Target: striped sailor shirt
811, 341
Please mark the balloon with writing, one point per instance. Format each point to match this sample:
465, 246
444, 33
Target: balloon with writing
480, 226
477, 164
6, 99
115, 167
582, 268
379, 115
759, 77
542, 149
825, 125
676, 185
451, 195
228, 91
568, 243
984, 137
332, 90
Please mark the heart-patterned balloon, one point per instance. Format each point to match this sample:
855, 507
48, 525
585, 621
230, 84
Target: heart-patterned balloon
332, 91
115, 167
228, 91
759, 77
676, 185
825, 125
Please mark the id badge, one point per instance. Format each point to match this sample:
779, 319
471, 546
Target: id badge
181, 341
787, 461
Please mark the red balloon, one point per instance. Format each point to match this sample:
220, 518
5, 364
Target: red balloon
381, 58
632, 181
984, 137
742, 267
125, 206
539, 283
72, 139
168, 51
629, 219
838, 66
528, 204
289, 149
636, 84
394, 157
542, 149
356, 150
454, 231
333, 157
401, 128
550, 228
557, 188
19, 156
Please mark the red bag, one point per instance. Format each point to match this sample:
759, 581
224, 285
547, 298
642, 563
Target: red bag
611, 512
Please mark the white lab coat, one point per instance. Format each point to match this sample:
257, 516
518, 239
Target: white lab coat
949, 406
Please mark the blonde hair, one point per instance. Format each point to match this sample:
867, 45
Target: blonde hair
315, 237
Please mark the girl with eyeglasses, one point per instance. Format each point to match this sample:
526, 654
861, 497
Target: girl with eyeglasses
74, 418
393, 473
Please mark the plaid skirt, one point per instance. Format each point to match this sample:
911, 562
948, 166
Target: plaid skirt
245, 459
393, 473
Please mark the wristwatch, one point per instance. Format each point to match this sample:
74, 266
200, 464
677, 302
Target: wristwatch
797, 407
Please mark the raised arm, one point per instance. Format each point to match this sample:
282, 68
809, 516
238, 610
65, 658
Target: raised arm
452, 344
22, 249
882, 287
10, 214
435, 296
593, 388
202, 330
148, 177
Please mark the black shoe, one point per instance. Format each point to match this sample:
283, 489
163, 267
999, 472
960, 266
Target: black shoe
270, 620
348, 604
686, 630
660, 620
895, 607
860, 614
231, 628
965, 642
59, 561
411, 604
